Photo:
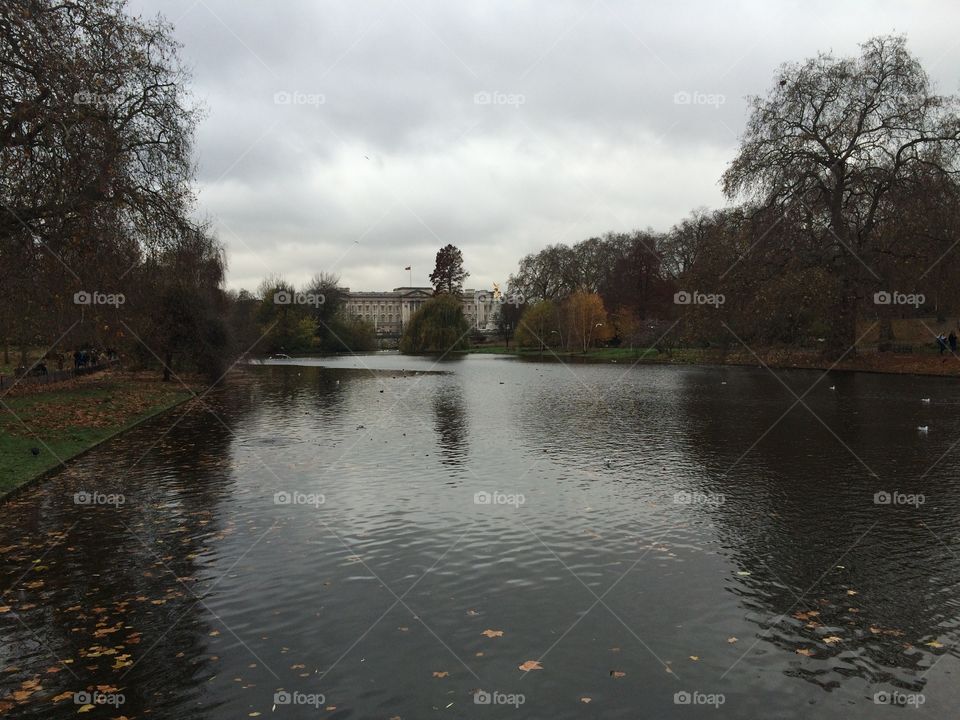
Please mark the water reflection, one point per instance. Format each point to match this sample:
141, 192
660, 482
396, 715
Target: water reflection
450, 423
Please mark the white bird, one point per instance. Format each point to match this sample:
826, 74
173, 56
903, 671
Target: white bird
832, 387
924, 400
923, 428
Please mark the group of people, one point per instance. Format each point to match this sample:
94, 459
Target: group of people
943, 341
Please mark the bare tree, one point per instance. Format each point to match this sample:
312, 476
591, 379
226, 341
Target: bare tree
839, 136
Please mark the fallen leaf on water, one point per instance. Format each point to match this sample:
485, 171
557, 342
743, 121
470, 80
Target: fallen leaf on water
440, 674
585, 700
492, 633
732, 640
934, 644
831, 639
62, 696
531, 665
4, 608
694, 657
804, 651
85, 708
472, 613
852, 592
617, 674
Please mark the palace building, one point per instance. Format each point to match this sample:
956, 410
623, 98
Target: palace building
389, 312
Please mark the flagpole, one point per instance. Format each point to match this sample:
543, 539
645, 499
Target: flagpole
411, 275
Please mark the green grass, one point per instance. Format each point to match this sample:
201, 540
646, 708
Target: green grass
60, 426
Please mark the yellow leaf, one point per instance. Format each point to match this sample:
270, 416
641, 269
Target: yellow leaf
492, 633
440, 674
531, 665
86, 708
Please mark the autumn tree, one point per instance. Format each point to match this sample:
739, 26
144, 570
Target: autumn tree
539, 325
448, 274
586, 320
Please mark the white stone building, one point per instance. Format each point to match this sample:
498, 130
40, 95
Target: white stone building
390, 311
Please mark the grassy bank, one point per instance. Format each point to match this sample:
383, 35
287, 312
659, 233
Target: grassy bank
39, 429
923, 361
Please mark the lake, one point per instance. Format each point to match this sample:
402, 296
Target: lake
394, 537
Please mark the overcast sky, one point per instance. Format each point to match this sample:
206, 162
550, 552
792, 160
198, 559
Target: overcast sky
359, 137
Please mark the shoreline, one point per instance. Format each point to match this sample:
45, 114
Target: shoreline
920, 364
23, 481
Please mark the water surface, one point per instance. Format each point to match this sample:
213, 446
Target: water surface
699, 530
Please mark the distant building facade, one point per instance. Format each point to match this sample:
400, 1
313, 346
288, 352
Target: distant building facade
390, 311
